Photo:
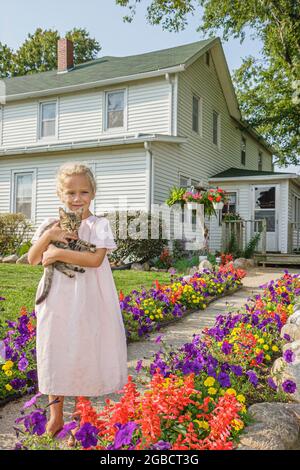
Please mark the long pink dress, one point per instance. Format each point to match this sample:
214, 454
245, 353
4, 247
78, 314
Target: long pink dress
81, 339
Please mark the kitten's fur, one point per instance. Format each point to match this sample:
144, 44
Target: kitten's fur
70, 222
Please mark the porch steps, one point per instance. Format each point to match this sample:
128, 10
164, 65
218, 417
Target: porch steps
277, 258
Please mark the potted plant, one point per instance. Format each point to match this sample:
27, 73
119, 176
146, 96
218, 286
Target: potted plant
217, 197
192, 199
176, 196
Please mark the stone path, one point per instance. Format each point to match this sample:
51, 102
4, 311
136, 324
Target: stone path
175, 334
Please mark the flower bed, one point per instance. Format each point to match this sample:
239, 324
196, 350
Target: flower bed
143, 312
197, 396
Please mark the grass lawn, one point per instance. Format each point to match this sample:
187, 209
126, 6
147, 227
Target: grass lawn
18, 284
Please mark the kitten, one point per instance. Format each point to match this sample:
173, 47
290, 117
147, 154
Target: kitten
70, 222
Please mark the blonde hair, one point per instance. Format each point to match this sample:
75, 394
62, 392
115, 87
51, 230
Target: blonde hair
70, 169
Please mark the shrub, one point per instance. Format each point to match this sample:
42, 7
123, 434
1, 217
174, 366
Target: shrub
15, 229
136, 249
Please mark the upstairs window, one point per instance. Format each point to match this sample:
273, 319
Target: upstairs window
243, 151
260, 160
197, 115
207, 58
48, 119
216, 128
115, 101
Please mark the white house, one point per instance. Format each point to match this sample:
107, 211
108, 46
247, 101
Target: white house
143, 123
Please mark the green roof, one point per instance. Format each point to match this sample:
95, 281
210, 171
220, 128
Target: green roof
105, 68
239, 172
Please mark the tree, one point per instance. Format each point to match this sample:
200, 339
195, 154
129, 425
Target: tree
268, 88
38, 53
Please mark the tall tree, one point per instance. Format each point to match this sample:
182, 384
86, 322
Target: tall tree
38, 53
268, 87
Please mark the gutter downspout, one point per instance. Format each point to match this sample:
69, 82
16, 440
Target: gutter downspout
149, 176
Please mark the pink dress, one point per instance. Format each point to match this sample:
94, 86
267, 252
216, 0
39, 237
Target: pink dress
81, 339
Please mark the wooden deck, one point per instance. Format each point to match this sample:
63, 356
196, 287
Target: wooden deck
278, 259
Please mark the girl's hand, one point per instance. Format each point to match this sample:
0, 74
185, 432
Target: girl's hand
56, 234
50, 255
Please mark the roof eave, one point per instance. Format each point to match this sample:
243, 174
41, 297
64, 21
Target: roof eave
95, 84
225, 179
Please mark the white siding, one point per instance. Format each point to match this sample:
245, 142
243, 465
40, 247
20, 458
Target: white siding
19, 127
80, 116
118, 173
293, 190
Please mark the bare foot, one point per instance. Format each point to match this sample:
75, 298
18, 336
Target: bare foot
72, 439
54, 426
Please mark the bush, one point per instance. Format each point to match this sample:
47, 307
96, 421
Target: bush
136, 249
15, 230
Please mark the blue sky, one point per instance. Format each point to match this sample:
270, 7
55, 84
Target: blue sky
104, 21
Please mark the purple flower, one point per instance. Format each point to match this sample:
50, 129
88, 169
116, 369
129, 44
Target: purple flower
32, 401
271, 383
158, 339
124, 434
161, 445
139, 365
252, 377
35, 422
66, 429
287, 337
23, 364
87, 435
289, 386
224, 379
226, 347
18, 383
2, 298
237, 370
289, 355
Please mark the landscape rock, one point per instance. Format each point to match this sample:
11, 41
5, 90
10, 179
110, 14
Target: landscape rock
23, 259
241, 263
152, 269
250, 263
294, 318
10, 259
137, 267
282, 371
260, 437
146, 266
205, 264
292, 330
193, 270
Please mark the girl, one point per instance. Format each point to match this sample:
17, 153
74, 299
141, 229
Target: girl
81, 339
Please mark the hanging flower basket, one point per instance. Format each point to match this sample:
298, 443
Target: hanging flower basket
218, 205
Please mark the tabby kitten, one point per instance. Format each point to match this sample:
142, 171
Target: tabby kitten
70, 222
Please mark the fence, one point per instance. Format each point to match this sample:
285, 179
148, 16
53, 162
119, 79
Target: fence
241, 231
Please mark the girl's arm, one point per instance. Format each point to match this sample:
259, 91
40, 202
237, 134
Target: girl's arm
85, 259
36, 251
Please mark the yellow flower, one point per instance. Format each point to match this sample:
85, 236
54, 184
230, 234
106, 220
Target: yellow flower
8, 365
237, 424
151, 317
212, 391
274, 348
264, 334
261, 341
8, 387
231, 391
249, 326
257, 351
268, 357
146, 311
266, 347
202, 424
209, 382
8, 373
241, 398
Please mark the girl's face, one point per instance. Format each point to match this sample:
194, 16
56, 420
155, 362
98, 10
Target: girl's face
77, 192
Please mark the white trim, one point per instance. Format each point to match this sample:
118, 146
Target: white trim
39, 124
175, 123
138, 138
148, 172
115, 130
13, 174
1, 124
254, 178
199, 133
96, 83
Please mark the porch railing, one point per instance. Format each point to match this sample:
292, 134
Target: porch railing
294, 237
242, 231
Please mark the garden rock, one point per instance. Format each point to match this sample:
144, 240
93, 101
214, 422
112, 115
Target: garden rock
193, 270
281, 418
295, 347
146, 266
205, 264
10, 259
241, 263
186, 278
282, 371
250, 263
295, 319
261, 437
23, 259
152, 269
292, 330
137, 266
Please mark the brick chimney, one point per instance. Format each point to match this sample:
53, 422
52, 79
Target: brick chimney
65, 59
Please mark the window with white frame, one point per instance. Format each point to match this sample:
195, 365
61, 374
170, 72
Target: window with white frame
48, 117
23, 193
243, 151
230, 207
260, 160
216, 128
115, 105
296, 209
197, 115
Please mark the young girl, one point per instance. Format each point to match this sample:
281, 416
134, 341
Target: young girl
81, 340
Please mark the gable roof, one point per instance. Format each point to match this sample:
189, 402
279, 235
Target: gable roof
104, 70
237, 173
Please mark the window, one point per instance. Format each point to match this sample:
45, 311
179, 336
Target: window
48, 119
296, 209
23, 193
216, 128
115, 109
183, 181
207, 58
195, 114
230, 207
243, 151
260, 156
